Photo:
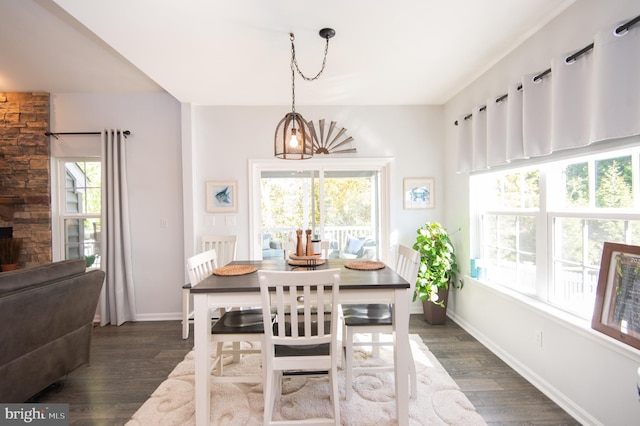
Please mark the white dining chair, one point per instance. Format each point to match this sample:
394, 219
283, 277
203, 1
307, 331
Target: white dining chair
225, 247
233, 326
374, 319
302, 337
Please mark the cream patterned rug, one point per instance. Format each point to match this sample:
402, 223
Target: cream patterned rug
439, 400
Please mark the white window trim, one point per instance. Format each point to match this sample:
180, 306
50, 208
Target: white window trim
256, 167
58, 214
545, 215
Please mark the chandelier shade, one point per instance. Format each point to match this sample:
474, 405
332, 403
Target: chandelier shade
293, 140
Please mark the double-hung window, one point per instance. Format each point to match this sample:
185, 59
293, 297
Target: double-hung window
80, 189
541, 229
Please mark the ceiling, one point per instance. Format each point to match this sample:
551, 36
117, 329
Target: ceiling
206, 52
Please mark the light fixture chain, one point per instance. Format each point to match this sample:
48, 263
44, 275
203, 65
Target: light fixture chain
295, 61
293, 88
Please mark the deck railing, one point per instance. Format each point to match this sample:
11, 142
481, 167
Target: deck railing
336, 235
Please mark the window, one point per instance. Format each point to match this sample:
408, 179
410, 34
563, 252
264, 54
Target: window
80, 212
343, 201
541, 229
340, 207
509, 223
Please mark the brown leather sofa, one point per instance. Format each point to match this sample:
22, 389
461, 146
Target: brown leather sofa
46, 319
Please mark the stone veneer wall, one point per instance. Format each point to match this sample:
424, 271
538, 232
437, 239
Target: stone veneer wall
25, 173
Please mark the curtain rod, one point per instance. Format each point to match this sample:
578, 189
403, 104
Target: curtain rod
622, 28
55, 134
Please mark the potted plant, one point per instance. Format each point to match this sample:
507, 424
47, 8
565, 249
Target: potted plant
438, 269
9, 252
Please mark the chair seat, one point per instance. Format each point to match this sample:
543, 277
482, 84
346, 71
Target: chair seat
370, 314
302, 350
233, 322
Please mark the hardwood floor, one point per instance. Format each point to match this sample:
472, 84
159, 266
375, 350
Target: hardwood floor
130, 361
500, 395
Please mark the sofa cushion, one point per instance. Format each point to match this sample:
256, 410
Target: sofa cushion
354, 245
266, 240
22, 278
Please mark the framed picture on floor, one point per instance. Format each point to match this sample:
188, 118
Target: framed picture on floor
617, 310
222, 196
419, 193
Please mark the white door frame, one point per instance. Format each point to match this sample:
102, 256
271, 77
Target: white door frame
257, 166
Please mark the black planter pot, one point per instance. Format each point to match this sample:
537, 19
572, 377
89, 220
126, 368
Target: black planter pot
436, 314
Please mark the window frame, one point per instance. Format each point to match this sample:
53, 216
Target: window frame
256, 167
58, 202
550, 209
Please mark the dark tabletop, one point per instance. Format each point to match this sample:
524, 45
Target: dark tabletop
349, 278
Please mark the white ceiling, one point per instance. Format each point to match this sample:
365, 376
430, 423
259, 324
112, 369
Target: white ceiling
237, 52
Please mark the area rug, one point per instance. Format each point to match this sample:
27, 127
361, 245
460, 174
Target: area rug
439, 400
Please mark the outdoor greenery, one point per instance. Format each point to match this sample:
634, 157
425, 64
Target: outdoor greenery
565, 209
613, 189
438, 263
293, 201
83, 205
612, 179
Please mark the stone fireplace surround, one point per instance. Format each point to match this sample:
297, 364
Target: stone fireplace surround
25, 187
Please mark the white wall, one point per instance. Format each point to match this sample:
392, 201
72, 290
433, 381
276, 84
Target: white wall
225, 138
174, 149
592, 376
155, 184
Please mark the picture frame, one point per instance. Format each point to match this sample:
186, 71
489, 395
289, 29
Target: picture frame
617, 308
222, 196
419, 193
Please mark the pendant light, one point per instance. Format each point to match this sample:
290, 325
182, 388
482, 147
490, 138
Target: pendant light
293, 139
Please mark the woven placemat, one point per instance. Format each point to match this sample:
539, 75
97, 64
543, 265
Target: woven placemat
235, 270
364, 265
311, 262
295, 257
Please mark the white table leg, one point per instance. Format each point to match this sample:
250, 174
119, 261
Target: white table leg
401, 360
201, 331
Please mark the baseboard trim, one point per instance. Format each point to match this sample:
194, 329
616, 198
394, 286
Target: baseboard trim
542, 385
170, 316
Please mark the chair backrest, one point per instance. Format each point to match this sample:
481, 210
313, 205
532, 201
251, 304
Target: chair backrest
224, 245
407, 266
302, 302
201, 266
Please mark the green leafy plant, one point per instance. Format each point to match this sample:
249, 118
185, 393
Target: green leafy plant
438, 264
89, 260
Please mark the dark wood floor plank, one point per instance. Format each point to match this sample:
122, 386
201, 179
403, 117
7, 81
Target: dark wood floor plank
129, 362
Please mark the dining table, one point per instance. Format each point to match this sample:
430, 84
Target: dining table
382, 285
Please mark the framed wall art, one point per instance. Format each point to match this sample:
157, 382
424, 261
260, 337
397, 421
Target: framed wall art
617, 310
419, 193
222, 196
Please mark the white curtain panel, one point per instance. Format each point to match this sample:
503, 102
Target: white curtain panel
571, 97
465, 151
536, 115
497, 132
479, 135
515, 144
594, 98
117, 301
616, 103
